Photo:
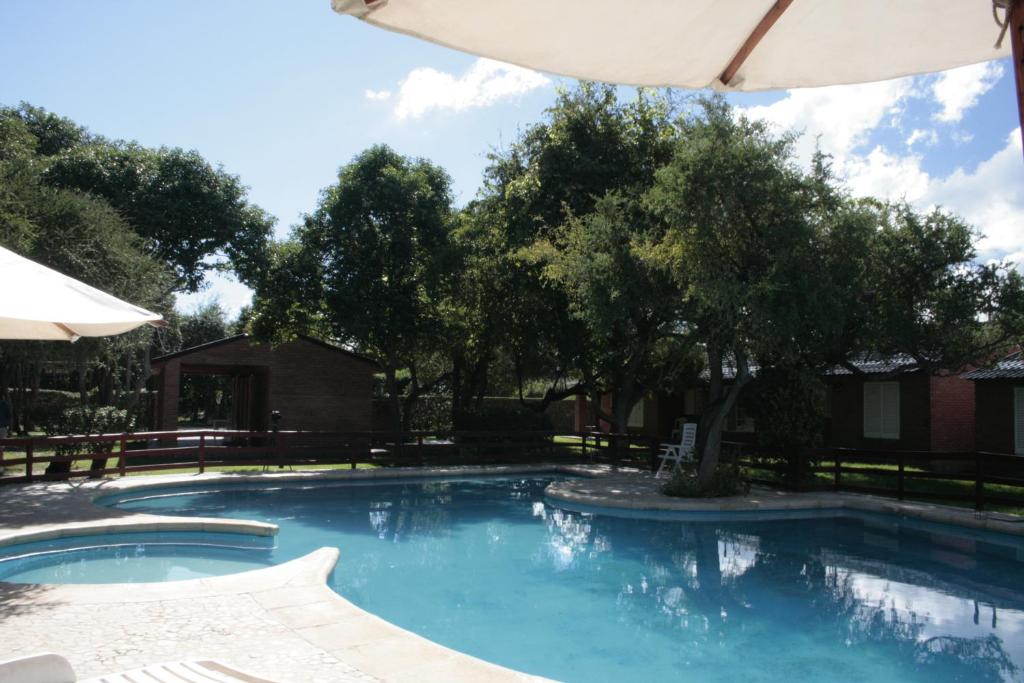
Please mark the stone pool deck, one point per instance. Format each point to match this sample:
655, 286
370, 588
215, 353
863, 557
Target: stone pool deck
637, 493
283, 622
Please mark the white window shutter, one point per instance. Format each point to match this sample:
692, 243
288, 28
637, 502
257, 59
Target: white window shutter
1018, 420
882, 410
636, 415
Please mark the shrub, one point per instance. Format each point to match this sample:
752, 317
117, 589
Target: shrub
728, 481
432, 413
85, 421
501, 418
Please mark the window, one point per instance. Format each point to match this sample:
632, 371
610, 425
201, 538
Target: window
636, 416
1018, 420
882, 410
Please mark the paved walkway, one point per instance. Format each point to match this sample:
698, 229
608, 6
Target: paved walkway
641, 492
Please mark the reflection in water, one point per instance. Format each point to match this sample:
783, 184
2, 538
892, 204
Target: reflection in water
487, 567
711, 584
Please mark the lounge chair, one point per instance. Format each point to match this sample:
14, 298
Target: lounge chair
52, 668
678, 453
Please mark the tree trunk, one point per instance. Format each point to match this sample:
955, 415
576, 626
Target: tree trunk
35, 375
391, 386
722, 400
83, 389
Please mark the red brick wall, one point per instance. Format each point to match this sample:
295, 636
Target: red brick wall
993, 403
847, 408
314, 387
952, 413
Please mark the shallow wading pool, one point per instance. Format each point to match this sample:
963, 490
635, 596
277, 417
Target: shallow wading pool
487, 567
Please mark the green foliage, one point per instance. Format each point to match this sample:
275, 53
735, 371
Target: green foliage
432, 413
501, 418
186, 209
91, 420
727, 480
558, 216
205, 324
49, 405
370, 267
787, 406
85, 421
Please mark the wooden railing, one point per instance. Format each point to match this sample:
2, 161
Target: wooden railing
65, 457
900, 469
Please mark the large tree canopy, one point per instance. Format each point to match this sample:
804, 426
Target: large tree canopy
377, 259
779, 267
191, 215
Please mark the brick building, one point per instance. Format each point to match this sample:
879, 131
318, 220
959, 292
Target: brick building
999, 402
893, 405
888, 404
315, 385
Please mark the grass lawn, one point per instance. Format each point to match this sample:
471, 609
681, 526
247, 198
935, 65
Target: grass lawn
886, 485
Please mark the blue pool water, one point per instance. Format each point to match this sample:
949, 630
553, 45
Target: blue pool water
487, 567
132, 558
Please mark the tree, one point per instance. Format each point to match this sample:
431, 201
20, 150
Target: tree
84, 237
187, 211
541, 191
370, 266
781, 268
626, 307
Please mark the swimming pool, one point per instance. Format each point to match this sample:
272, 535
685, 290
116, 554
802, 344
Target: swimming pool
487, 567
134, 557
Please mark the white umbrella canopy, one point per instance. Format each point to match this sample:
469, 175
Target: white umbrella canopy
39, 303
727, 45
691, 43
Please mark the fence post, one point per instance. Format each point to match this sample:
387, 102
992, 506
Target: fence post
122, 463
837, 465
979, 484
583, 445
202, 453
899, 476
29, 449
653, 450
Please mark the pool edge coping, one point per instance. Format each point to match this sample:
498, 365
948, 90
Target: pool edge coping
295, 594
645, 495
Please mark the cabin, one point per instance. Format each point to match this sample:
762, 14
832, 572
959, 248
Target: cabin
999, 403
892, 404
312, 384
888, 404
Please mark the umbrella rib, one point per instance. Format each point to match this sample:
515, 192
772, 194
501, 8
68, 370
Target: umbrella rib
759, 32
68, 331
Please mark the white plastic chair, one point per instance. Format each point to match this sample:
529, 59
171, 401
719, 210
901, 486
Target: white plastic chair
678, 453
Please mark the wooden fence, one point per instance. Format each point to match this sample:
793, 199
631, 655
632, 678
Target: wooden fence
906, 474
65, 457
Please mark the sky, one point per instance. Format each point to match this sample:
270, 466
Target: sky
284, 93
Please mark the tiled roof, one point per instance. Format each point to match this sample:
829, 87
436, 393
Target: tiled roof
877, 365
1011, 367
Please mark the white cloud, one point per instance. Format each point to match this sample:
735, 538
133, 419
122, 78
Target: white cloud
841, 116
881, 174
989, 197
483, 84
378, 95
957, 90
928, 137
